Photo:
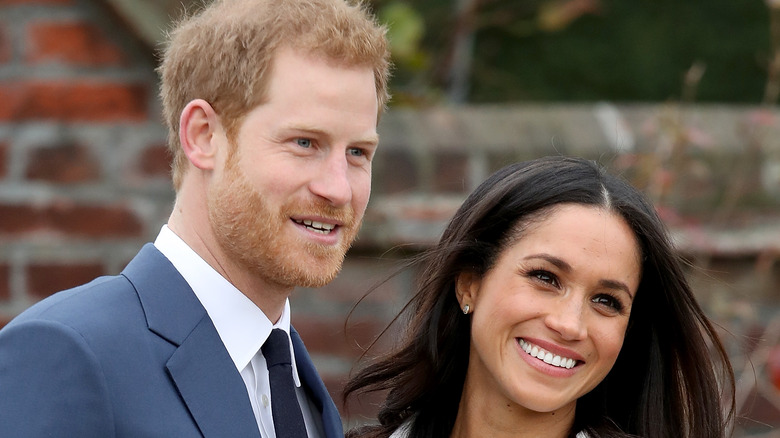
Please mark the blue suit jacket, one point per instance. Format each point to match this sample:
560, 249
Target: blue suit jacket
134, 355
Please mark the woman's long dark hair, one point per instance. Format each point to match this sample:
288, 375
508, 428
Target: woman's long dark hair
672, 377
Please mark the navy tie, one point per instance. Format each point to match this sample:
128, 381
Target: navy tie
288, 420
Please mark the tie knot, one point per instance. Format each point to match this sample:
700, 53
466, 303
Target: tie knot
276, 349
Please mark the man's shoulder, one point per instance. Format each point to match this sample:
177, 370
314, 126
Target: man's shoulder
101, 300
83, 304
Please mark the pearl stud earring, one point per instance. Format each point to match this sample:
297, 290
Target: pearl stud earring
466, 309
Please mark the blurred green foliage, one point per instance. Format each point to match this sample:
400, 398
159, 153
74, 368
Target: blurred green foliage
581, 50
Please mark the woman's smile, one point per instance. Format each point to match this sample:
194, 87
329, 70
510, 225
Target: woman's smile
545, 356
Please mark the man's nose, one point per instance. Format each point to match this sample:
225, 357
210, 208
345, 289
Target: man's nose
331, 181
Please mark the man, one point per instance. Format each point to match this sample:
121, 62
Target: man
272, 107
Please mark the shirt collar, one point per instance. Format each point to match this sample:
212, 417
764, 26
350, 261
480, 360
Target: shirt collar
241, 325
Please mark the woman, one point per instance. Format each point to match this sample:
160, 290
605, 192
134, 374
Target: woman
554, 305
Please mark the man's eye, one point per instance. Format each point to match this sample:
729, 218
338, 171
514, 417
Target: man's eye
357, 152
303, 142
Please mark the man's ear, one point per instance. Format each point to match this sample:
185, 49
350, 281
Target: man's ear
466, 288
198, 125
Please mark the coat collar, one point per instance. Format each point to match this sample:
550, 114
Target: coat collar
200, 366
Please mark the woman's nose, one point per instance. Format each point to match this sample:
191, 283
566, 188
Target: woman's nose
568, 319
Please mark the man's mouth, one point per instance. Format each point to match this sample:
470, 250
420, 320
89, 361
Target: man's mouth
317, 227
545, 356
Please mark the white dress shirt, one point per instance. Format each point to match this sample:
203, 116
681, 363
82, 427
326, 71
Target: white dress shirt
243, 328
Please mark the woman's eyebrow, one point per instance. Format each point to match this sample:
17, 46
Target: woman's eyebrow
566, 267
557, 262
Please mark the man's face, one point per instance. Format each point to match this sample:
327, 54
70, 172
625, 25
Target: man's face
290, 198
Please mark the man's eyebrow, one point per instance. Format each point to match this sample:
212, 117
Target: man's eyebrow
371, 139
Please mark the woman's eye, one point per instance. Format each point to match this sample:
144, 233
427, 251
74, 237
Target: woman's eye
545, 277
608, 301
303, 142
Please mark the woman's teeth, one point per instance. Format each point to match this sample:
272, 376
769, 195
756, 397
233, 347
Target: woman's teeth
546, 356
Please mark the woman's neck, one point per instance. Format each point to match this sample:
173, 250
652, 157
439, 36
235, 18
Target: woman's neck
484, 416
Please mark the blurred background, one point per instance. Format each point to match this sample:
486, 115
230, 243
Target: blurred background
680, 97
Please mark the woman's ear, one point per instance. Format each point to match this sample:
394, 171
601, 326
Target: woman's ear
466, 288
198, 125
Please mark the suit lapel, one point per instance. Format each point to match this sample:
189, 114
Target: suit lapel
210, 385
200, 366
331, 421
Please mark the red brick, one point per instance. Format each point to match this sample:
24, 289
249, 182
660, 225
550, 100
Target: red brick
68, 163
359, 275
83, 101
75, 43
5, 282
155, 161
16, 219
394, 172
451, 173
328, 337
359, 408
44, 280
3, 159
94, 221
5, 45
75, 220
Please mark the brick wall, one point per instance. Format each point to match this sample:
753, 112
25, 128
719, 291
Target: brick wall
83, 169
84, 183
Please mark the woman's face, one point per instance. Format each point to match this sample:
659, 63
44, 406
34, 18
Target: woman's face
549, 318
